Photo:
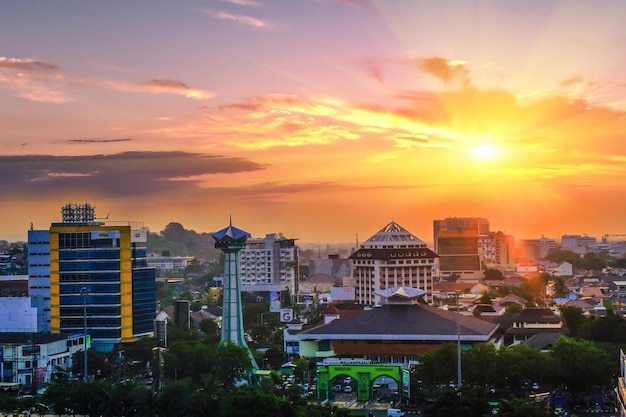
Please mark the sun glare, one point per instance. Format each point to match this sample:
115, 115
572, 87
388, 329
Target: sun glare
485, 151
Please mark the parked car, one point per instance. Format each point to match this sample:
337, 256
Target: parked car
348, 388
338, 388
394, 412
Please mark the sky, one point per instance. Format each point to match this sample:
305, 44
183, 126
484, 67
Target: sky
323, 120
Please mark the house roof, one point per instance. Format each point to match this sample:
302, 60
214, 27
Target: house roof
513, 281
512, 299
594, 291
543, 340
584, 304
333, 310
538, 315
404, 322
451, 286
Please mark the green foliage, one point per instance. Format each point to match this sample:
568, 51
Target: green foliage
469, 402
275, 356
610, 328
181, 242
493, 274
572, 318
572, 358
523, 407
209, 326
589, 261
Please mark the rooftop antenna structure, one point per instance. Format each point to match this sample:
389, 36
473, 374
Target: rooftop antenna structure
78, 213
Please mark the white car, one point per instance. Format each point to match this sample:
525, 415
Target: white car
394, 412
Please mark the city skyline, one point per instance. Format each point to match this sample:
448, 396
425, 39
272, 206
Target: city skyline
323, 120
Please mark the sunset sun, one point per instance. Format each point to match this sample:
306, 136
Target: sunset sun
485, 151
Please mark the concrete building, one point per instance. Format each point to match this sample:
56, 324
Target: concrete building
18, 314
578, 244
535, 249
334, 266
393, 257
168, 263
273, 260
84, 267
477, 225
458, 255
30, 359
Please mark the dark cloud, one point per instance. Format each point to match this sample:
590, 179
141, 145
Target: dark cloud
116, 175
169, 84
80, 141
444, 69
31, 65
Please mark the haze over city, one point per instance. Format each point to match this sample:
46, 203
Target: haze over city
322, 120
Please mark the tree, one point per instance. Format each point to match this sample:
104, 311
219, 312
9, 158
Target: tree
438, 366
573, 358
468, 402
260, 334
522, 407
208, 326
559, 287
493, 274
572, 318
234, 364
275, 357
479, 364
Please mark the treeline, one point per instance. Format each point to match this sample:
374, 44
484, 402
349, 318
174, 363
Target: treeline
591, 260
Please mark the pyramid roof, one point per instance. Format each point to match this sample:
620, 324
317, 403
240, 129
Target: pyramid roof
393, 234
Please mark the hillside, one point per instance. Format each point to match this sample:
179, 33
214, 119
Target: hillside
175, 240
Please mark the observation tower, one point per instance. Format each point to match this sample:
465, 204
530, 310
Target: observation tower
231, 240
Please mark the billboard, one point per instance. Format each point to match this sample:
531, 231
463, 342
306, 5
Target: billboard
286, 315
275, 301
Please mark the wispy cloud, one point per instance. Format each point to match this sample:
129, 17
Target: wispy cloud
570, 81
239, 18
85, 141
44, 82
446, 70
250, 3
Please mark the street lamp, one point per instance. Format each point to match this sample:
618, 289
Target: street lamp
84, 292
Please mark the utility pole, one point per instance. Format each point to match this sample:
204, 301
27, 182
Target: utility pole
84, 292
458, 341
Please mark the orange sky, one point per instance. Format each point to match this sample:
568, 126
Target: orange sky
322, 120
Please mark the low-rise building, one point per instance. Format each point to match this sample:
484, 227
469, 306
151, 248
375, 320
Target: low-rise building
31, 359
404, 327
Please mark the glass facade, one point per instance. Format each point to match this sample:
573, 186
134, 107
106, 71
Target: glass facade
120, 298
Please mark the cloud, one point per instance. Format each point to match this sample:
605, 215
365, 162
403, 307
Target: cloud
81, 141
31, 65
250, 3
115, 175
44, 82
444, 69
154, 86
239, 18
570, 81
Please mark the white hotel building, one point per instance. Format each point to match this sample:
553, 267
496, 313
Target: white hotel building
391, 258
